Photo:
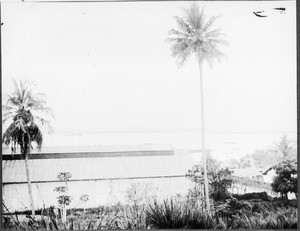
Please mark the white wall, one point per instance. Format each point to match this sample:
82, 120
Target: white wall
100, 193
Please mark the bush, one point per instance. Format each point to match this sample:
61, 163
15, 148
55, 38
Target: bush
177, 215
220, 195
255, 195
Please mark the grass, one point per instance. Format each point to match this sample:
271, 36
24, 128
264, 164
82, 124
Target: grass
173, 213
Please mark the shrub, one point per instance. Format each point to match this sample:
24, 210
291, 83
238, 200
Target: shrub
177, 215
255, 195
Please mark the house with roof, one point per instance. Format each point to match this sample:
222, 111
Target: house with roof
249, 180
104, 173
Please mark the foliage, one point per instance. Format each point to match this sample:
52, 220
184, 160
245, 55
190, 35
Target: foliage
64, 176
195, 35
84, 197
232, 207
64, 199
286, 147
220, 183
195, 174
175, 215
286, 179
138, 199
250, 196
23, 108
220, 180
280, 151
61, 189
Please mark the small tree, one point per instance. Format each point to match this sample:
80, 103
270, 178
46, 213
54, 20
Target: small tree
63, 199
220, 183
138, 196
26, 112
286, 179
84, 198
286, 148
219, 180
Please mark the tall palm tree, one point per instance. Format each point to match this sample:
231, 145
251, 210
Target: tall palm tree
21, 109
195, 36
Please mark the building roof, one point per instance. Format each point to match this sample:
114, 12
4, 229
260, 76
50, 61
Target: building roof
95, 168
92, 151
247, 172
94, 148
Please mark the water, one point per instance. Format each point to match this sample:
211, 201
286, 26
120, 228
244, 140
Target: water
223, 146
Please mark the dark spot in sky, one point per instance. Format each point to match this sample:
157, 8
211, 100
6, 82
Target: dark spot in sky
260, 13
280, 9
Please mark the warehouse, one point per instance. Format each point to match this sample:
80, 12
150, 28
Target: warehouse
104, 173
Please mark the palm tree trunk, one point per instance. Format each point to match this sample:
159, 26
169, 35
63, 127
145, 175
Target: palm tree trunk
29, 183
203, 139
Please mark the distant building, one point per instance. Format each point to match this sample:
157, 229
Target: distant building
250, 173
105, 173
248, 180
269, 174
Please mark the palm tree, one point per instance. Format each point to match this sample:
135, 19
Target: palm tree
195, 36
21, 110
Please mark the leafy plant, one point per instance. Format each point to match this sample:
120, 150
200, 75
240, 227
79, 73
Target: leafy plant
286, 179
64, 199
176, 215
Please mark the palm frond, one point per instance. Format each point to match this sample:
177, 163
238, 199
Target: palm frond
182, 51
9, 113
17, 87
7, 107
194, 36
21, 106
214, 34
183, 25
43, 123
195, 17
13, 101
209, 23
220, 42
4, 120
178, 33
36, 135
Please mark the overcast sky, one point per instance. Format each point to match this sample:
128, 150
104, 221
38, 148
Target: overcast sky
107, 66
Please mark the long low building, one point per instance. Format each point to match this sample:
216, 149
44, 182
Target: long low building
104, 173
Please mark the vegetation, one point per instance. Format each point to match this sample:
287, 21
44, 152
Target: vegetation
196, 36
286, 180
23, 111
176, 212
64, 199
284, 149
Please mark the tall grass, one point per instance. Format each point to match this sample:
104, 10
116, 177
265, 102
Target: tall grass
173, 213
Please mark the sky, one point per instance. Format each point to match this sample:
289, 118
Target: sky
106, 66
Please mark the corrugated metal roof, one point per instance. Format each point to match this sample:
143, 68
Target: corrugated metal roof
99, 168
95, 148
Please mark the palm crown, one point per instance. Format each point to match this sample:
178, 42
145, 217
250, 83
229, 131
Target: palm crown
194, 35
26, 110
